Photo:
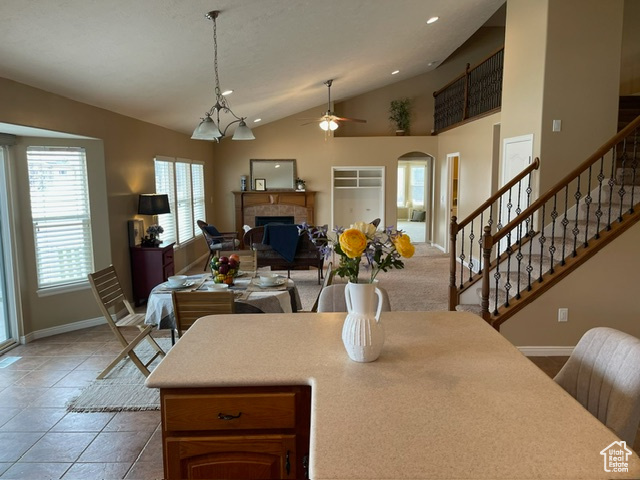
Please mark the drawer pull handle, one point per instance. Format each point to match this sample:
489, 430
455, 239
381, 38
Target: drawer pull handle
226, 416
287, 464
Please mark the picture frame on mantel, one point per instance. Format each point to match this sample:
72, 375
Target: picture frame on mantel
261, 184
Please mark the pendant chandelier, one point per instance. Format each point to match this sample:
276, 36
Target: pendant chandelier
210, 127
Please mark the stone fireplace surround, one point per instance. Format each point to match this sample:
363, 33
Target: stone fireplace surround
248, 205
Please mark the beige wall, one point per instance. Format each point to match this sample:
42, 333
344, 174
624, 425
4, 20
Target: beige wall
129, 148
602, 292
630, 67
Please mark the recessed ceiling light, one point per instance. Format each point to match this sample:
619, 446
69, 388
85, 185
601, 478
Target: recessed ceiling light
432, 20
257, 120
227, 92
395, 71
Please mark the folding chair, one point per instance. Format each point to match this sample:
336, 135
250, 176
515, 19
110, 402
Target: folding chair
190, 306
108, 293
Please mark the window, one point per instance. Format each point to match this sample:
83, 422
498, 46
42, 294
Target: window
183, 181
417, 186
61, 214
401, 179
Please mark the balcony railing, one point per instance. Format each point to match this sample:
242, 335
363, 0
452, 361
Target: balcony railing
477, 92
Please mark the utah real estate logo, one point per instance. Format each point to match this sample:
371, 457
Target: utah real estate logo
616, 457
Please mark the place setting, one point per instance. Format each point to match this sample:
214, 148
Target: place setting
268, 281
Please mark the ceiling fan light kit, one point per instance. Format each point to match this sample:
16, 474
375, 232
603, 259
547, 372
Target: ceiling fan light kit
329, 120
210, 128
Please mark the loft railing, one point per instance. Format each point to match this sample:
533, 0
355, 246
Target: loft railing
563, 228
465, 237
478, 91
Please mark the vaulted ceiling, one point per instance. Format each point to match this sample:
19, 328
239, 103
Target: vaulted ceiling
153, 59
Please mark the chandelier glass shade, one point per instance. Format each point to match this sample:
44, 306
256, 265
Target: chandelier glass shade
210, 127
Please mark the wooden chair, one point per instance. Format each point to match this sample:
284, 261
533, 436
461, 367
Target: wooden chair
248, 259
190, 306
106, 288
216, 240
328, 278
603, 374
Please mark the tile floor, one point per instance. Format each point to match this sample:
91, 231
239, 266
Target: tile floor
40, 440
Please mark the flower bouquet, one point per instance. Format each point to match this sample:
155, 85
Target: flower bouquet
382, 249
152, 239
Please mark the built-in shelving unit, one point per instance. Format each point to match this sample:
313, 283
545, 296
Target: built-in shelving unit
357, 194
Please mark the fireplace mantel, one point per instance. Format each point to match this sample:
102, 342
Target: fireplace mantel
273, 202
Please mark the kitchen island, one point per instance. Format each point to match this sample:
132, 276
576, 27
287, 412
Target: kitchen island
449, 397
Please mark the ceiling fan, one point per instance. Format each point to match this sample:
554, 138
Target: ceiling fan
329, 121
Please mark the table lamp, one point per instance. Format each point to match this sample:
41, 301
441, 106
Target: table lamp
153, 204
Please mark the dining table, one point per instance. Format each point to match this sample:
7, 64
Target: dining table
283, 297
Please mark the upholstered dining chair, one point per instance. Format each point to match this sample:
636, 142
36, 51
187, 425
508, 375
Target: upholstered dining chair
248, 259
217, 240
190, 306
603, 374
331, 299
328, 278
106, 288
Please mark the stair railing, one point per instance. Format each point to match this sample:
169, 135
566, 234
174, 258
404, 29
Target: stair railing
493, 210
585, 210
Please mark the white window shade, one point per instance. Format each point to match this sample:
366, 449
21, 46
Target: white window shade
183, 194
197, 179
165, 183
60, 214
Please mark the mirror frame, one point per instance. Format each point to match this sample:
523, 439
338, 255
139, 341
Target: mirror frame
255, 163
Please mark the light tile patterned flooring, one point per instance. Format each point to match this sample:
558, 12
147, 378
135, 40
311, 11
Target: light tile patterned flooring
40, 440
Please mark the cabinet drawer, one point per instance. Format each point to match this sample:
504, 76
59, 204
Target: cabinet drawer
241, 411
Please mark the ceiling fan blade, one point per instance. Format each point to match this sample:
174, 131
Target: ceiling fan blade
316, 121
344, 119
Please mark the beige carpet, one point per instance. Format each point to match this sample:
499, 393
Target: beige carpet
123, 389
421, 286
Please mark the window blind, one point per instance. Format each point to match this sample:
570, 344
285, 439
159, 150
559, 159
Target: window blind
183, 181
60, 213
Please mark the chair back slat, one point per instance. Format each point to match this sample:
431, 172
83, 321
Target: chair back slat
190, 306
248, 258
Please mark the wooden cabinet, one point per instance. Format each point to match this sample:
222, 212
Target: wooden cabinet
236, 433
149, 267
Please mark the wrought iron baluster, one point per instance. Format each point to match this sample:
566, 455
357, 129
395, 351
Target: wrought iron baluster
587, 201
634, 165
600, 178
471, 238
621, 191
554, 217
462, 257
576, 230
480, 244
496, 276
507, 284
519, 211
565, 222
542, 241
529, 267
612, 183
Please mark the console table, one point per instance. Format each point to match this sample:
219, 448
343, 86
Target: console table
150, 266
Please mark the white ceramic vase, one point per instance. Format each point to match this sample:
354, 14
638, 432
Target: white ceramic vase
362, 332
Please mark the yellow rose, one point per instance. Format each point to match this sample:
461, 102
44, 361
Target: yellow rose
353, 242
403, 246
368, 229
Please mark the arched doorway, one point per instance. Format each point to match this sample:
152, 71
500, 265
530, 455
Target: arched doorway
414, 196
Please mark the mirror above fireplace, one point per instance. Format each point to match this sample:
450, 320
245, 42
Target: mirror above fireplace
276, 174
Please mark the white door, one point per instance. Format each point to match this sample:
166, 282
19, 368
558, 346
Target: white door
517, 155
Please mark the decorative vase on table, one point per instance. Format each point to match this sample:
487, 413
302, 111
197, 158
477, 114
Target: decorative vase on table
362, 332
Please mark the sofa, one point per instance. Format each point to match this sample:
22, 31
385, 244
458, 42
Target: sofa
306, 254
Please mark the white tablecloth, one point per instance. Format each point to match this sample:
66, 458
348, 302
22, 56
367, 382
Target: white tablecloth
269, 300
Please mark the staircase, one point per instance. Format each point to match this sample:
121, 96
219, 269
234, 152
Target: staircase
505, 255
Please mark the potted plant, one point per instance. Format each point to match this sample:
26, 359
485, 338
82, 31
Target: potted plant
400, 115
300, 184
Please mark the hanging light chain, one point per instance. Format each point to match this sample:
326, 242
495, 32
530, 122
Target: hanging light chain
213, 16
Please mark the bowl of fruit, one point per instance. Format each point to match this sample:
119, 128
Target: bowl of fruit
225, 269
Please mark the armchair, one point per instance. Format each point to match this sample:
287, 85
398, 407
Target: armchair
217, 240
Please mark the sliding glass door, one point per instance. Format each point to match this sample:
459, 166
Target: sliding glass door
8, 323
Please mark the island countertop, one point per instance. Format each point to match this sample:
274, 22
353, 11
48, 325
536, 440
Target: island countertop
449, 397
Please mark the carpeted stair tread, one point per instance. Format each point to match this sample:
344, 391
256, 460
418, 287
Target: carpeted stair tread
468, 307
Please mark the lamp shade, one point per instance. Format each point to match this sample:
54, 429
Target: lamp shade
153, 204
243, 132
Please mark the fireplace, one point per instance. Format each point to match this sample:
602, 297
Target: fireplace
262, 220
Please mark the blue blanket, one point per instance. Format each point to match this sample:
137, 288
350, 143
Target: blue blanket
283, 239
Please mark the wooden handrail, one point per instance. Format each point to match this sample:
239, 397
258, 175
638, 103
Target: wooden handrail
530, 168
603, 150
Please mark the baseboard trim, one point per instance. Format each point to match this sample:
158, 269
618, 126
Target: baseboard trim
69, 327
193, 264
546, 351
438, 247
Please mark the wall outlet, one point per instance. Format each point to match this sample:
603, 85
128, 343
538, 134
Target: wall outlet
557, 126
563, 314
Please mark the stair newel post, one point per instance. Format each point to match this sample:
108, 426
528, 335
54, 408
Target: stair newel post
487, 246
453, 290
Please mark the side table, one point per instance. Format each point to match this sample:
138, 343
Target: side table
150, 266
